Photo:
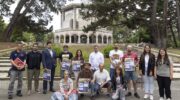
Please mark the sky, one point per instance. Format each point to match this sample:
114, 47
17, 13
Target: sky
56, 17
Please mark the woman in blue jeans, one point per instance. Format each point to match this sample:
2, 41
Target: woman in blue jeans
66, 91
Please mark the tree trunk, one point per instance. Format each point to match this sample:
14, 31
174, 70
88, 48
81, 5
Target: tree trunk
178, 17
15, 18
173, 34
154, 25
164, 26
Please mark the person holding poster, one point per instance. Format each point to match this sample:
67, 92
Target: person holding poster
65, 58
115, 57
130, 61
96, 58
66, 91
18, 61
77, 62
49, 63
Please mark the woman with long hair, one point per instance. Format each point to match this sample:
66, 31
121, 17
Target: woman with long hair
77, 61
146, 69
66, 91
164, 74
118, 82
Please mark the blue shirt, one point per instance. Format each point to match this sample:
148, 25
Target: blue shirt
21, 55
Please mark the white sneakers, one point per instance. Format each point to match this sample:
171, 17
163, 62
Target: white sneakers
146, 96
168, 99
161, 98
151, 97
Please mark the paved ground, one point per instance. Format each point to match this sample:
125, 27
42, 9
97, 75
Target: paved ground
35, 96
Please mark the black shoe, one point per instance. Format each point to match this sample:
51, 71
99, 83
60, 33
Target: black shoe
19, 94
137, 95
52, 90
10, 97
128, 94
81, 95
44, 92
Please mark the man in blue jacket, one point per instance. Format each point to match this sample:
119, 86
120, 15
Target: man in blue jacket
49, 63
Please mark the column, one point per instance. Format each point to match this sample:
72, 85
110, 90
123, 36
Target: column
111, 40
64, 39
88, 39
70, 39
59, 39
106, 40
97, 39
102, 39
79, 39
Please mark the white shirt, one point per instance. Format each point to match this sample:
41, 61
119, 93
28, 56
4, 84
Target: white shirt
114, 52
51, 52
101, 77
95, 59
146, 62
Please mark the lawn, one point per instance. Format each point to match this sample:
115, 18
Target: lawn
86, 49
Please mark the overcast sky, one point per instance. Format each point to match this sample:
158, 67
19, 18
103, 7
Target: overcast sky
56, 18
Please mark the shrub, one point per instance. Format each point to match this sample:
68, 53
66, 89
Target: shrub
106, 50
57, 49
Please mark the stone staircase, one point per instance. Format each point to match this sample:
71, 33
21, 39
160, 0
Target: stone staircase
5, 65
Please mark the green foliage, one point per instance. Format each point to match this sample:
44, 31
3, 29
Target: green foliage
48, 37
28, 37
57, 49
106, 50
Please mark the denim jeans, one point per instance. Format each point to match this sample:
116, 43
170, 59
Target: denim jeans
59, 96
148, 84
13, 75
112, 73
96, 87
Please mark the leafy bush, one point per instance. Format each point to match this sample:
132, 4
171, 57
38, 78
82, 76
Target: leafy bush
106, 50
57, 49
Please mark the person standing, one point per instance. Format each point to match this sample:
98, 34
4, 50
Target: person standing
130, 61
65, 60
95, 59
115, 56
49, 63
146, 68
78, 61
17, 70
33, 61
164, 74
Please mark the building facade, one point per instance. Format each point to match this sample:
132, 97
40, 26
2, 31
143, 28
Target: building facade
71, 29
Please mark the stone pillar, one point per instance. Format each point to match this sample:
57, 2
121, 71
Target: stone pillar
70, 39
97, 39
102, 39
111, 40
64, 39
106, 40
79, 39
88, 39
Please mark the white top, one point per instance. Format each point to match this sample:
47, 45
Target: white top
101, 77
51, 52
146, 62
114, 52
95, 59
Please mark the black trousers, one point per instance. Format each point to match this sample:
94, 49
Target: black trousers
51, 83
164, 84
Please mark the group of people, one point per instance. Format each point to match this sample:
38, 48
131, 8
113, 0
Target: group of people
124, 70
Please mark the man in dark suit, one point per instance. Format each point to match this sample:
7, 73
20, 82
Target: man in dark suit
49, 63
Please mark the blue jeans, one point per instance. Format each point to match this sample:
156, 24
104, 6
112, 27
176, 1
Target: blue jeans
112, 74
130, 75
96, 87
59, 96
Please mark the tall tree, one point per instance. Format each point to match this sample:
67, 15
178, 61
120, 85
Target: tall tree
38, 9
178, 17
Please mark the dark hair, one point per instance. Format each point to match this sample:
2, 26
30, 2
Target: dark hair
49, 42
65, 46
77, 53
166, 58
120, 69
147, 45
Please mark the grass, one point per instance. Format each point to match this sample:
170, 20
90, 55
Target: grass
86, 50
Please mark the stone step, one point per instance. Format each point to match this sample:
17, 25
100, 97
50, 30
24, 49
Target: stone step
5, 64
4, 61
4, 69
176, 70
3, 74
176, 75
4, 57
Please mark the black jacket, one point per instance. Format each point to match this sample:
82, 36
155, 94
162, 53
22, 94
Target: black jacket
34, 60
151, 64
114, 81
